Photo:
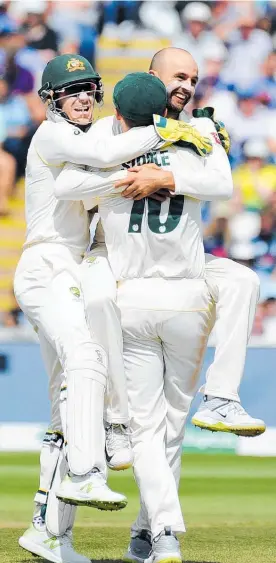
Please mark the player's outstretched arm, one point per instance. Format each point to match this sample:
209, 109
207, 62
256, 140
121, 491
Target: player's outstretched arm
74, 183
204, 178
57, 143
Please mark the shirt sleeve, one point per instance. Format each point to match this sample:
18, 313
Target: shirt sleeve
74, 183
57, 143
209, 178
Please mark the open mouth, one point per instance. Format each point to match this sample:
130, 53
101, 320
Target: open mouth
83, 110
182, 97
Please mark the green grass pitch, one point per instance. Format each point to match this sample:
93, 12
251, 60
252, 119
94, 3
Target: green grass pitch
229, 505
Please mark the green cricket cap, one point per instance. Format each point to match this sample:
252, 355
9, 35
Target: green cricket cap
138, 96
67, 69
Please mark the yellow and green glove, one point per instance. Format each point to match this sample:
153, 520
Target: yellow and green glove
219, 125
182, 134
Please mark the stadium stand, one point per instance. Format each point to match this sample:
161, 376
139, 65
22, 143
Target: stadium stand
235, 45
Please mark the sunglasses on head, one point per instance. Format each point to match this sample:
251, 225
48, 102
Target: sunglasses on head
76, 89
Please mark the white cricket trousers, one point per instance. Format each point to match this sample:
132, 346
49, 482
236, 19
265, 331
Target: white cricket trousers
47, 287
166, 324
237, 288
99, 291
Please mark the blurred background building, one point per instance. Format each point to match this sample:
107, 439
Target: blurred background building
234, 43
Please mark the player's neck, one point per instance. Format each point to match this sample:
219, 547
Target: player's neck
173, 114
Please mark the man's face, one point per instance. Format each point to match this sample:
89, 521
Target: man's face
196, 28
270, 65
77, 101
180, 75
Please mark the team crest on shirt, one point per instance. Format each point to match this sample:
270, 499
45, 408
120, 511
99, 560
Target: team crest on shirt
75, 64
75, 291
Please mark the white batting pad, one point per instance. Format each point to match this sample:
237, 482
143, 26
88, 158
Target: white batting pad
85, 432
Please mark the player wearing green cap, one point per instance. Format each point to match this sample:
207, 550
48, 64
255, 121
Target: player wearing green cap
47, 286
156, 257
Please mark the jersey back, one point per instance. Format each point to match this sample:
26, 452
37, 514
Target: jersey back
147, 238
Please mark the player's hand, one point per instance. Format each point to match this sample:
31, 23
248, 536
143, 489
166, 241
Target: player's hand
219, 125
141, 181
183, 134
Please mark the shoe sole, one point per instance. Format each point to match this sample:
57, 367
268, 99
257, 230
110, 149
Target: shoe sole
99, 504
38, 551
169, 559
120, 467
249, 431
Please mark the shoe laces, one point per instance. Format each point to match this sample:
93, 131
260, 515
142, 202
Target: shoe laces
144, 535
216, 403
166, 533
237, 408
97, 476
117, 436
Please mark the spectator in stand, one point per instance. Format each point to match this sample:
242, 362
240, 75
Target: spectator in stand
216, 235
255, 179
248, 121
264, 245
20, 79
196, 35
38, 34
15, 114
76, 24
20, 65
7, 172
227, 15
6, 20
266, 84
210, 82
248, 49
11, 318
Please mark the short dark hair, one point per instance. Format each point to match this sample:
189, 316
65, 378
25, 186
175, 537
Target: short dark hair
130, 123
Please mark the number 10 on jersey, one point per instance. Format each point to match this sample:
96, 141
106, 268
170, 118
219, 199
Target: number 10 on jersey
154, 210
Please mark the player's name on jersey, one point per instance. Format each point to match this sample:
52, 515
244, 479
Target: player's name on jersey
160, 158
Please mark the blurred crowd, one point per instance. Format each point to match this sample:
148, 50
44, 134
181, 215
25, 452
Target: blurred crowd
234, 43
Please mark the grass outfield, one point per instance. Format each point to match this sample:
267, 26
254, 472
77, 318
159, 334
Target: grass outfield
229, 505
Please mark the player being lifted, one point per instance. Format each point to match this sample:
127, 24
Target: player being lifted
237, 285
156, 255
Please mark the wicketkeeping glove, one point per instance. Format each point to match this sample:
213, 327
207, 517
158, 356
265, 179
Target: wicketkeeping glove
183, 134
219, 125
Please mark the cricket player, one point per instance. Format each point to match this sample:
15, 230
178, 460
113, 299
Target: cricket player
47, 287
238, 286
156, 255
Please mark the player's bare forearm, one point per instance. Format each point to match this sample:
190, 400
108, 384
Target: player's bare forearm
143, 181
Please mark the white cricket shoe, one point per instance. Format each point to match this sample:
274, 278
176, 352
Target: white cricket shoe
57, 549
165, 548
90, 490
118, 451
140, 547
224, 415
